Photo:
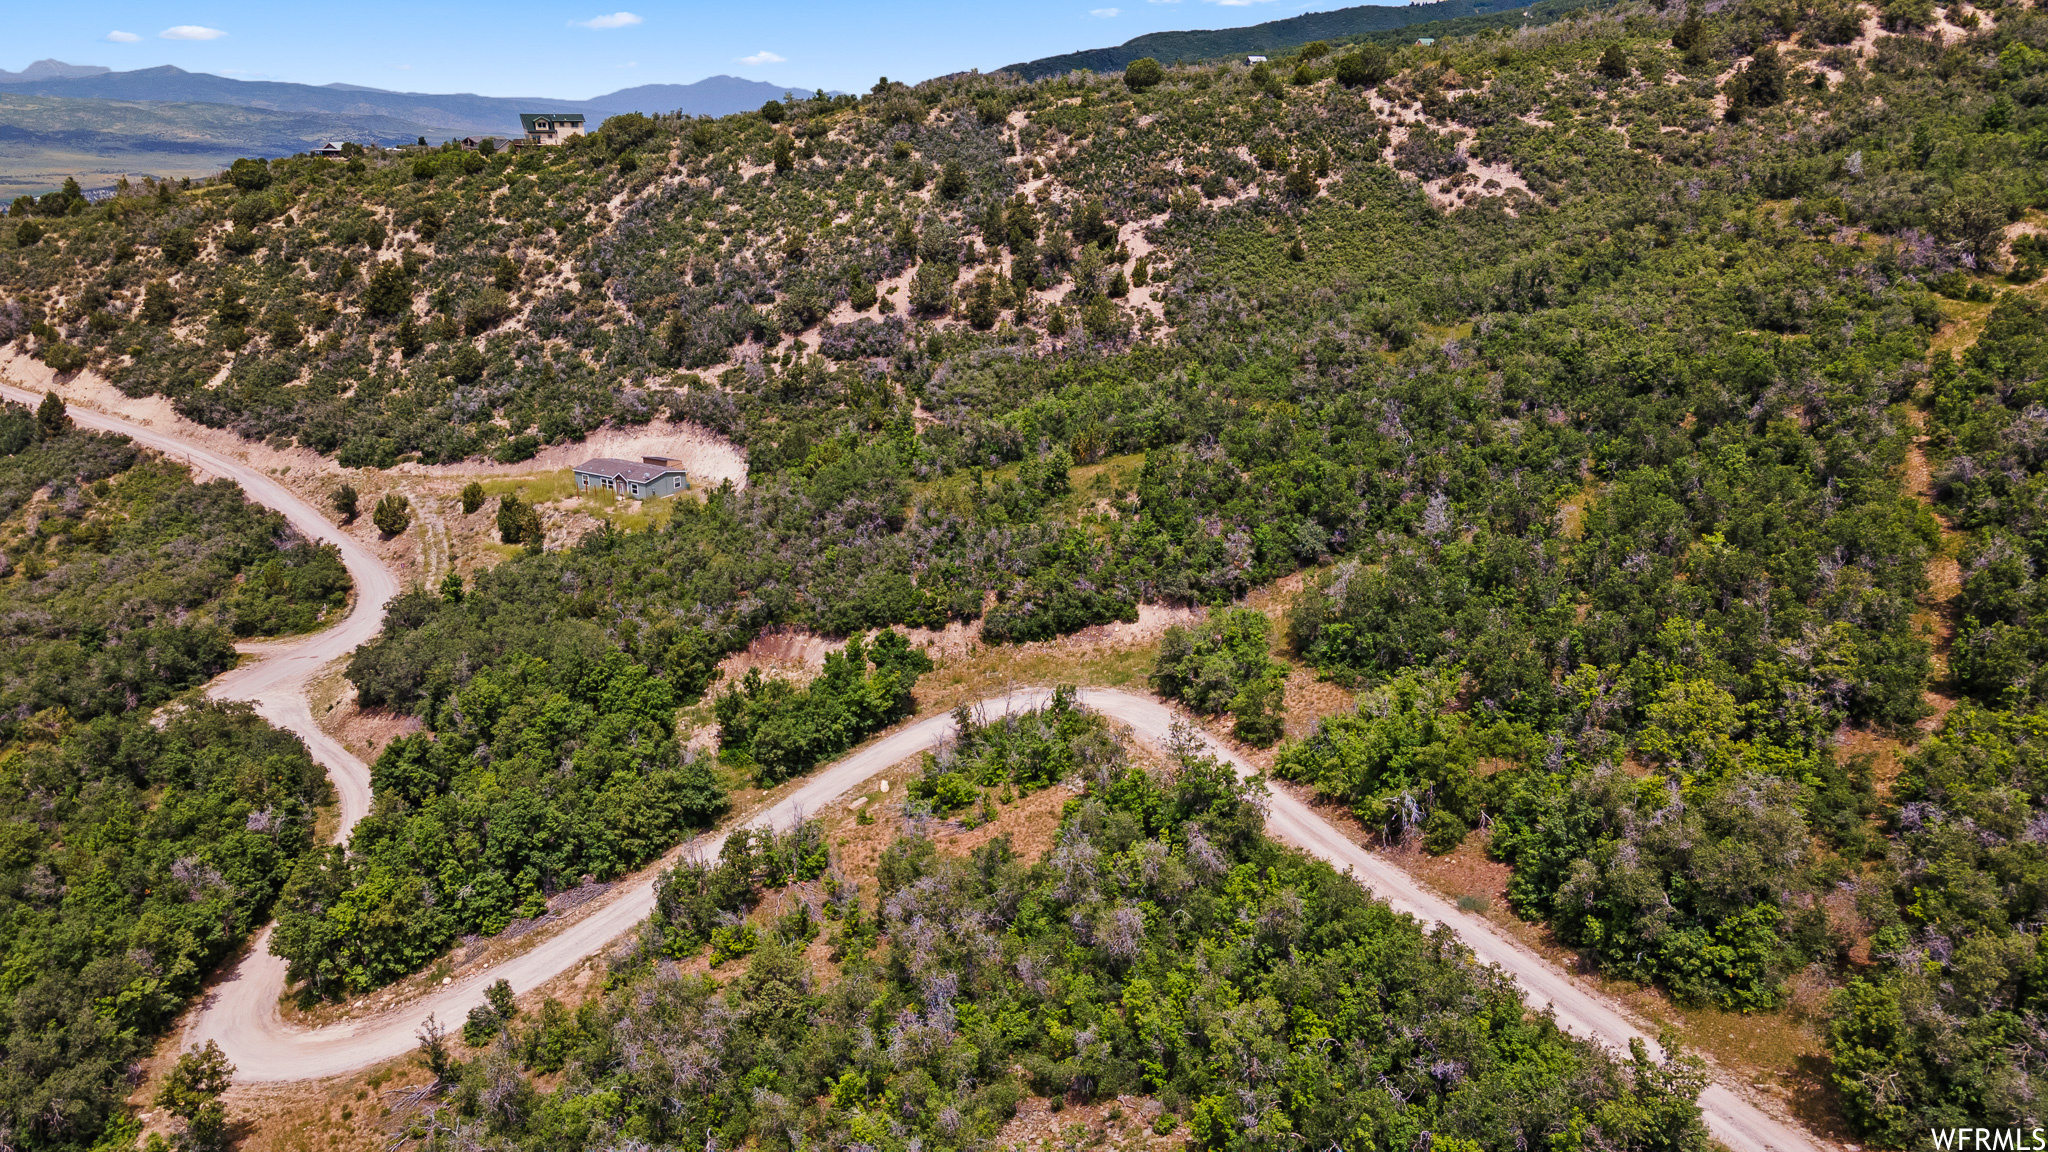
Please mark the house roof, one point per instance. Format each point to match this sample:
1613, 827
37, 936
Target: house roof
629, 470
553, 119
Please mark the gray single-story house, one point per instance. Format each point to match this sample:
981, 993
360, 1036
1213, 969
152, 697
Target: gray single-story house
652, 476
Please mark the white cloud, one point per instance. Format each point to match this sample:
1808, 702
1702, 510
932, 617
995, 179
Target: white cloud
190, 32
764, 56
123, 38
615, 20
1105, 13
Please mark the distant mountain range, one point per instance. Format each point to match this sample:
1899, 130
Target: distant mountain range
93, 125
712, 96
44, 139
454, 114
52, 70
97, 125
1274, 36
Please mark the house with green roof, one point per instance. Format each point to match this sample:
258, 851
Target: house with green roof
550, 127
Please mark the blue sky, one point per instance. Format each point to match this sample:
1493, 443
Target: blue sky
544, 48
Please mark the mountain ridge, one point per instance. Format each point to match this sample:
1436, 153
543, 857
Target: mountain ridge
1269, 37
51, 68
457, 113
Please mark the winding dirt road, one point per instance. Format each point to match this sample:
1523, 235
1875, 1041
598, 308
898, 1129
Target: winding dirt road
276, 681
241, 1011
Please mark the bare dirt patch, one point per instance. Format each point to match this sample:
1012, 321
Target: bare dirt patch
709, 458
1044, 1124
791, 652
88, 389
1946, 26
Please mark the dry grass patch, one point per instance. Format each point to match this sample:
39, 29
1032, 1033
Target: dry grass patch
362, 1112
1777, 1056
1963, 322
1120, 1125
993, 671
1032, 823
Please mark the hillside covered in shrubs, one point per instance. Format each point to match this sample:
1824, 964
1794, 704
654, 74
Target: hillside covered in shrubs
1164, 946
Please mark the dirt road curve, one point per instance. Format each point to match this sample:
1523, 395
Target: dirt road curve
276, 682
241, 1011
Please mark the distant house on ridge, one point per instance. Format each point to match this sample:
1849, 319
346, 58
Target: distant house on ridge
332, 150
652, 476
1255, 60
550, 127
